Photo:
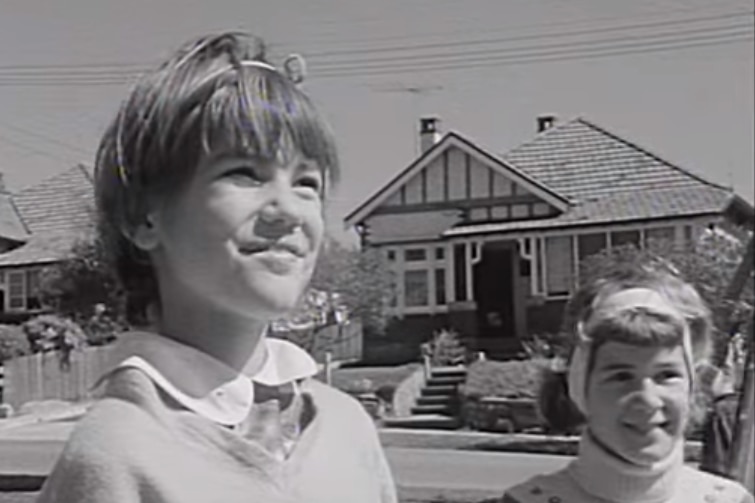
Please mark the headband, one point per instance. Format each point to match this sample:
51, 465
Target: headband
614, 304
294, 67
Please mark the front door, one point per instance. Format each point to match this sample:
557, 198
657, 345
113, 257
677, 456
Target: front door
494, 293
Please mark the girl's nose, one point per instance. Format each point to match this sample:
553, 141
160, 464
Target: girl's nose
646, 397
280, 208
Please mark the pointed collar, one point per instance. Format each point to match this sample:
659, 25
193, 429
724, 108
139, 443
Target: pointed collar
205, 385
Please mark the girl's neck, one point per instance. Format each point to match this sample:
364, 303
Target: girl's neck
228, 337
607, 476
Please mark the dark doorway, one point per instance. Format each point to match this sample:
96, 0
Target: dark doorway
494, 293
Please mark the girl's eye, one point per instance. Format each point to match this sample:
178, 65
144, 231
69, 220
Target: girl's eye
621, 376
243, 173
310, 182
669, 375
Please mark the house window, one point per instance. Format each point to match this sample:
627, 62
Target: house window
415, 255
16, 290
416, 288
621, 238
440, 253
460, 272
32, 289
590, 244
440, 287
391, 255
559, 264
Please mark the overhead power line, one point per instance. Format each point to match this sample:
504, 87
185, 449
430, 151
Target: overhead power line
410, 60
554, 56
532, 36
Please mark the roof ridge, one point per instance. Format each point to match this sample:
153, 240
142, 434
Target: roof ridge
541, 134
647, 152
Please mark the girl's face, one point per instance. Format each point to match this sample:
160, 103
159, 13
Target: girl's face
638, 400
243, 235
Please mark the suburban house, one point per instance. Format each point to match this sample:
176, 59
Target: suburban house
38, 226
489, 244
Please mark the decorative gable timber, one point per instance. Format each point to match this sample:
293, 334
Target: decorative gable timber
457, 174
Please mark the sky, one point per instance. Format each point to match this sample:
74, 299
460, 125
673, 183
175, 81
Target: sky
674, 76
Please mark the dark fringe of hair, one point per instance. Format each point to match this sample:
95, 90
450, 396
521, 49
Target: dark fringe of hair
187, 110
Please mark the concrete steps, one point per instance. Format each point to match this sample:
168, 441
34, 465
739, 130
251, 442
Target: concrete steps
435, 407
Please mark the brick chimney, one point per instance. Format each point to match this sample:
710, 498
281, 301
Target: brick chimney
429, 133
544, 122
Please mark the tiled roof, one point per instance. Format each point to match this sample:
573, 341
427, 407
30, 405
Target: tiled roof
582, 161
42, 248
60, 203
48, 217
645, 205
11, 226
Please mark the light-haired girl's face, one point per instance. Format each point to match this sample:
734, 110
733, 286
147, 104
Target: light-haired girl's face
638, 400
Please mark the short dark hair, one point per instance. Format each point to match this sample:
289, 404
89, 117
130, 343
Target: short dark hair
205, 98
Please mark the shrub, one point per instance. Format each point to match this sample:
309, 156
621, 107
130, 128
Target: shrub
13, 342
446, 348
509, 379
54, 333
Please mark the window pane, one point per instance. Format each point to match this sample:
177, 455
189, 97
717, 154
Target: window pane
415, 255
16, 297
440, 253
415, 288
32, 289
440, 287
460, 272
559, 263
590, 244
625, 238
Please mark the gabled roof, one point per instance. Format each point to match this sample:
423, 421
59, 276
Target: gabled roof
48, 218
658, 204
44, 248
582, 161
453, 139
11, 226
62, 202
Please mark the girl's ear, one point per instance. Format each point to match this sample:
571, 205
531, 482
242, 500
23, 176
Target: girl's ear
582, 338
144, 235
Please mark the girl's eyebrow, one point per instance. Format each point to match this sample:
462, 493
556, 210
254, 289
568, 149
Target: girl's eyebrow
615, 366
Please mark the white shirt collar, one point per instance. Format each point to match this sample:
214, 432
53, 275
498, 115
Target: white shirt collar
204, 384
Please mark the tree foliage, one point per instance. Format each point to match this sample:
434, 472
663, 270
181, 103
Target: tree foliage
709, 264
77, 287
361, 277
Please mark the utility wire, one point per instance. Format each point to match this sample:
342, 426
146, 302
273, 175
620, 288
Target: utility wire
518, 60
584, 22
534, 36
646, 38
132, 68
697, 37
45, 138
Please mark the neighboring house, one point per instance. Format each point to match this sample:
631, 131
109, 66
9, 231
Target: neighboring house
38, 227
490, 244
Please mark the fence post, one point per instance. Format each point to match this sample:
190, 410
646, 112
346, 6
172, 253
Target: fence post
328, 368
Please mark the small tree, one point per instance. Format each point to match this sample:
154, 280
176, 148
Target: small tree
362, 278
13, 342
85, 289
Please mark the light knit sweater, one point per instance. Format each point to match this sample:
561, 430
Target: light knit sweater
597, 476
139, 445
